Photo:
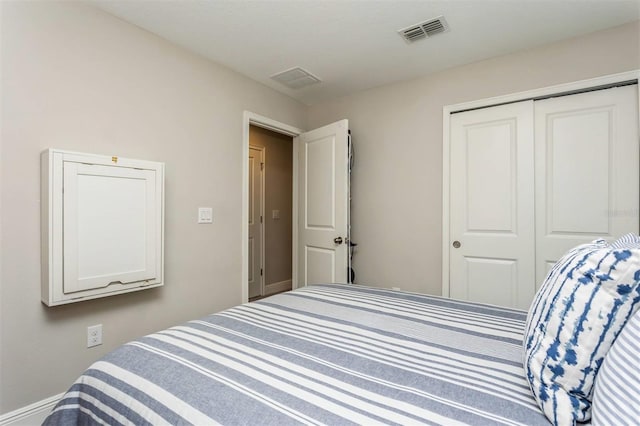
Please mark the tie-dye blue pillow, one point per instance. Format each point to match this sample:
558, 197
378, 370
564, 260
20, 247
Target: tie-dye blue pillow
584, 302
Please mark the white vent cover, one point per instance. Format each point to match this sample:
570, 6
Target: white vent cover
295, 78
424, 29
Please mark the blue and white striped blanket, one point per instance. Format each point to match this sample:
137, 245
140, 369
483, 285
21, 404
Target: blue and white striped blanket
330, 354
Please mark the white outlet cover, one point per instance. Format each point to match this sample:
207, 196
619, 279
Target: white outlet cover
94, 335
205, 215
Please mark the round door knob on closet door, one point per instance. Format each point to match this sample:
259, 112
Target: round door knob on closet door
456, 244
337, 240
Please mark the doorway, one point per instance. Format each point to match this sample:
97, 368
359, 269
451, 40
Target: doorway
251, 119
270, 212
320, 167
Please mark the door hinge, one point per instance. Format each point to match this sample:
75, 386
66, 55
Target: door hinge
261, 271
260, 219
261, 166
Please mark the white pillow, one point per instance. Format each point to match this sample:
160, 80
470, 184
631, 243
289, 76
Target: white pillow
579, 310
616, 393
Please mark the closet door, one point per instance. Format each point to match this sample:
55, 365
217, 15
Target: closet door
491, 205
586, 170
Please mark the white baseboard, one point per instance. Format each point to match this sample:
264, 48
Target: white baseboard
32, 414
274, 288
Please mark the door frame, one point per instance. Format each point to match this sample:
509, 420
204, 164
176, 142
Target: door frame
447, 110
249, 118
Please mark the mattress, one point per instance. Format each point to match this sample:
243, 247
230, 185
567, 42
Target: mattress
326, 354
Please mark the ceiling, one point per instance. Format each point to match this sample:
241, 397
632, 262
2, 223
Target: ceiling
353, 45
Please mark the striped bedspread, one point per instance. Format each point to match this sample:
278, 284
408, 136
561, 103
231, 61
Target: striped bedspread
329, 354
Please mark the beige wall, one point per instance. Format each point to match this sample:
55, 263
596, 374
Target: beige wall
397, 130
78, 79
278, 195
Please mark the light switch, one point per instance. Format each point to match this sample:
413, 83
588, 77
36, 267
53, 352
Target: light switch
275, 214
205, 215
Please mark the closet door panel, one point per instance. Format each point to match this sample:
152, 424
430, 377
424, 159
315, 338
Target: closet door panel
575, 174
586, 171
492, 239
491, 203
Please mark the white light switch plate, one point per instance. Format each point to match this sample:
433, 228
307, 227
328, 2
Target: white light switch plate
205, 215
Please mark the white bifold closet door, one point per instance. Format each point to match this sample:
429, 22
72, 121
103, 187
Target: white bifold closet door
492, 211
586, 169
530, 180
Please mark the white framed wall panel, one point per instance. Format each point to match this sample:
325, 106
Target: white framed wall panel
102, 226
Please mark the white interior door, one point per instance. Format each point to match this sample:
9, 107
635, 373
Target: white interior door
323, 183
491, 205
256, 221
586, 170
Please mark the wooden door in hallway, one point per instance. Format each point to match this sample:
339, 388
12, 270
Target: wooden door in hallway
256, 221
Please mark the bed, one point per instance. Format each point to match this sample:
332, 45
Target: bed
325, 354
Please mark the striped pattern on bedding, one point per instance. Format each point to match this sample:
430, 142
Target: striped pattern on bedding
330, 354
616, 393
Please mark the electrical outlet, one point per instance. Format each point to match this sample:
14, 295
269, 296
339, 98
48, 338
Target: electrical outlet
94, 335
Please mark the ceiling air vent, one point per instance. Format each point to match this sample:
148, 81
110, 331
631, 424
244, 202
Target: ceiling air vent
295, 78
424, 29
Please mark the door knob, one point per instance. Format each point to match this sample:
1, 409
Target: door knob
456, 244
338, 240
